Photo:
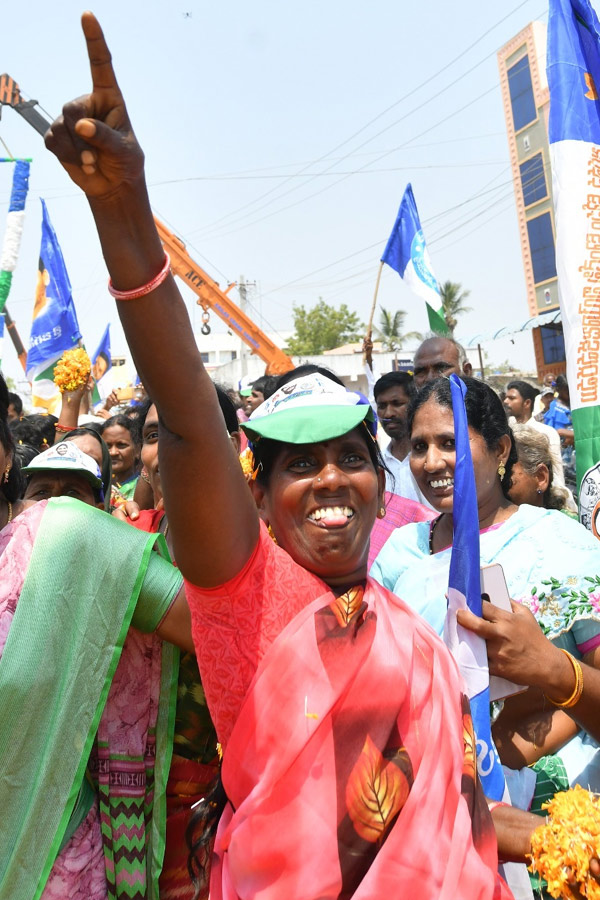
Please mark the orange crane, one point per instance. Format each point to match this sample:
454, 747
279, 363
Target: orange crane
210, 296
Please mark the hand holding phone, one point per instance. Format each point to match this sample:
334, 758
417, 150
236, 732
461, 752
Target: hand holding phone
493, 585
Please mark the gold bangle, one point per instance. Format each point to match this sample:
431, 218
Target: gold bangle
577, 690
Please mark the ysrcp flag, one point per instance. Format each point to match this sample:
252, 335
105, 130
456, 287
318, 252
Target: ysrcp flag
54, 328
14, 232
574, 131
407, 254
101, 368
464, 591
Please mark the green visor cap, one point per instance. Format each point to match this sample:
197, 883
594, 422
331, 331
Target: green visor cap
312, 410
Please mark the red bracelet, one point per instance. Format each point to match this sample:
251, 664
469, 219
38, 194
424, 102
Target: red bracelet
59, 427
146, 288
494, 804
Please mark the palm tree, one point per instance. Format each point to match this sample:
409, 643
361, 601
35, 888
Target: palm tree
453, 298
390, 330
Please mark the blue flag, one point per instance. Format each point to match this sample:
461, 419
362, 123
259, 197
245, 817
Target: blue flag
101, 360
573, 71
574, 130
54, 328
101, 366
407, 255
464, 589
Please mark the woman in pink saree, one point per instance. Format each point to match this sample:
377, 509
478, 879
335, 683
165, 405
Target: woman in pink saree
348, 750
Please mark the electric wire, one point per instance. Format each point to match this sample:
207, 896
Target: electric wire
324, 156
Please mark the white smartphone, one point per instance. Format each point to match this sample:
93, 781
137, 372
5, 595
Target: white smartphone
493, 583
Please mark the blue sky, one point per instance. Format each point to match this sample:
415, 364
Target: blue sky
279, 138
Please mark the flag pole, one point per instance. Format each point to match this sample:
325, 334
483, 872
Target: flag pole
374, 304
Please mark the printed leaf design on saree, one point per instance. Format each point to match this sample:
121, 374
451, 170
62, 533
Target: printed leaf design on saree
347, 606
375, 793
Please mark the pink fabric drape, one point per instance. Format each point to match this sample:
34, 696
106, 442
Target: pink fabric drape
350, 770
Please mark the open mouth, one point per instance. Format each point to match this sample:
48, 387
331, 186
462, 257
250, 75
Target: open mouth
331, 516
442, 483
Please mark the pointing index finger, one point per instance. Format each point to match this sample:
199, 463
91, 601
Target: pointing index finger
103, 75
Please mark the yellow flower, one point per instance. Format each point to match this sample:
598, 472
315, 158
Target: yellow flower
563, 847
72, 370
247, 464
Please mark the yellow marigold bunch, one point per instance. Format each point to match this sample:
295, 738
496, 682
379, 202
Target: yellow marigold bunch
72, 370
561, 850
247, 463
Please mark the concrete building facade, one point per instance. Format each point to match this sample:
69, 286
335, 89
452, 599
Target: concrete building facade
522, 65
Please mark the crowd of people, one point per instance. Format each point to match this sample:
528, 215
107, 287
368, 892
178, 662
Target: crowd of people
223, 672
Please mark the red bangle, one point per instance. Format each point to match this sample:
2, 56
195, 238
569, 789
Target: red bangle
494, 804
146, 288
59, 427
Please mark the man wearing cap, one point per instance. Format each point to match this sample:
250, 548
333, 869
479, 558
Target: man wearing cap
260, 390
64, 471
542, 403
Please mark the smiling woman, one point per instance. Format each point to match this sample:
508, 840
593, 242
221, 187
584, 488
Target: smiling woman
124, 453
552, 568
323, 688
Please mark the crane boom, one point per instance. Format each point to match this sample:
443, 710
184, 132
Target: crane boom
210, 296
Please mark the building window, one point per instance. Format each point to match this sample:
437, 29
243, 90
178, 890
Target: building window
533, 179
553, 344
541, 246
204, 358
521, 94
233, 355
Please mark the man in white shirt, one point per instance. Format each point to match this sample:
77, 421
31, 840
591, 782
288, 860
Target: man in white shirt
393, 393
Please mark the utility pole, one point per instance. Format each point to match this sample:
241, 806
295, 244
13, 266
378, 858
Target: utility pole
244, 289
243, 351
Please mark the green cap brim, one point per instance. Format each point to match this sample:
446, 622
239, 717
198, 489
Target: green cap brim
309, 424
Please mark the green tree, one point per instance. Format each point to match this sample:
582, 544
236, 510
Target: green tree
453, 302
322, 328
390, 331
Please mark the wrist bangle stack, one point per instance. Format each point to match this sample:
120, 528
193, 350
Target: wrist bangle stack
65, 428
134, 293
577, 690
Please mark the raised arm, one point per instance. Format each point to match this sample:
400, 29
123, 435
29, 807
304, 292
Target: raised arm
212, 516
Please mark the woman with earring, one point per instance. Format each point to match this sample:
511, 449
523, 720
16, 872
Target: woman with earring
124, 454
532, 478
550, 642
321, 686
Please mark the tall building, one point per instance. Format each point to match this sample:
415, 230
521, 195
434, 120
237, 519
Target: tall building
522, 64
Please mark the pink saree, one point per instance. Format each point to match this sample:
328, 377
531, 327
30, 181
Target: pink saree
350, 770
111, 850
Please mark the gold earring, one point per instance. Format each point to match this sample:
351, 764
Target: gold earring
6, 472
381, 514
501, 471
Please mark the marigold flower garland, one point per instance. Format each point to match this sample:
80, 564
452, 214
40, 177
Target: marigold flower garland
72, 370
561, 850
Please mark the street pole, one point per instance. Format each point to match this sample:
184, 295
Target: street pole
481, 362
